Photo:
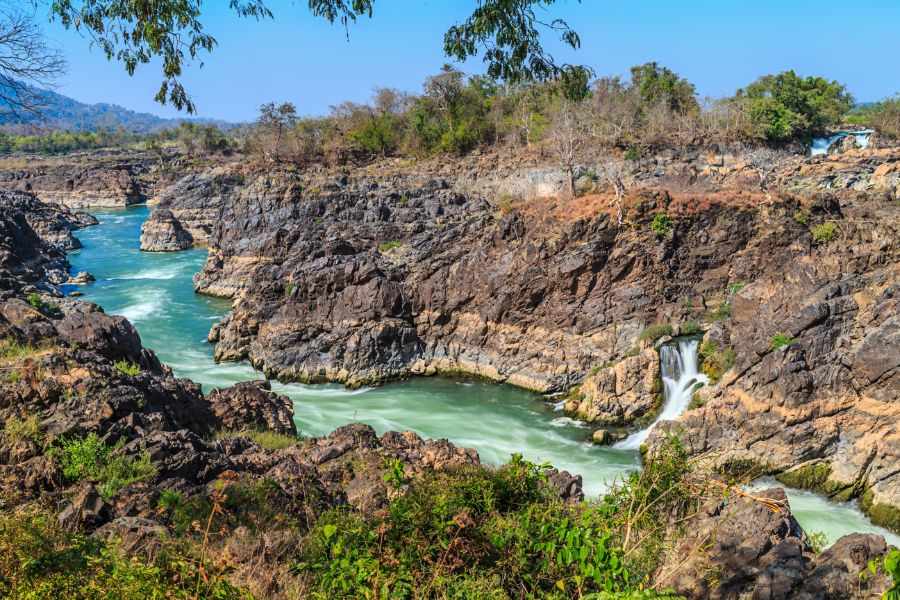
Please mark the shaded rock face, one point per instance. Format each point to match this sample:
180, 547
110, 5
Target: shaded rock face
195, 200
362, 281
253, 404
622, 393
162, 232
745, 549
821, 411
95, 182
33, 236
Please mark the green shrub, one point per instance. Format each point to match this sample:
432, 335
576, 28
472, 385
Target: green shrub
269, 440
824, 232
28, 428
735, 288
722, 313
127, 368
389, 246
817, 540
655, 332
890, 564
39, 561
634, 153
779, 340
802, 216
289, 289
12, 350
662, 224
38, 304
691, 327
89, 458
715, 360
13, 376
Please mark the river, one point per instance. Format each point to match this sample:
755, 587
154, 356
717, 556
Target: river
155, 292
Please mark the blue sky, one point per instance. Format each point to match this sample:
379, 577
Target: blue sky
718, 45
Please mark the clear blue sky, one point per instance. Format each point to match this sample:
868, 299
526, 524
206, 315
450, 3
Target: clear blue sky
718, 45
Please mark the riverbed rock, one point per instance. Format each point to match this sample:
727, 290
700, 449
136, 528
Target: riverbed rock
253, 405
162, 232
196, 199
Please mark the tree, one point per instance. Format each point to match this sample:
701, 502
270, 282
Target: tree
657, 84
786, 107
134, 33
614, 171
567, 138
271, 129
27, 62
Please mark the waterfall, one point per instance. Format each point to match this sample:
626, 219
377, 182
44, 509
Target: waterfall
821, 145
680, 376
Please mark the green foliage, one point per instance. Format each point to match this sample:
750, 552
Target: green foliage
39, 304
735, 288
779, 340
802, 216
289, 289
395, 476
27, 429
824, 232
633, 153
722, 313
655, 332
633, 352
890, 565
715, 360
39, 561
389, 246
12, 350
785, 107
691, 327
269, 440
127, 367
89, 458
883, 116
13, 377
662, 224
659, 85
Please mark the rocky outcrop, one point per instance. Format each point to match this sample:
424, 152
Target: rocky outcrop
253, 405
93, 181
162, 232
620, 394
195, 200
813, 396
747, 548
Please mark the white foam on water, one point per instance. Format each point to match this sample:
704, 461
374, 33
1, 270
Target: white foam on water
152, 305
568, 422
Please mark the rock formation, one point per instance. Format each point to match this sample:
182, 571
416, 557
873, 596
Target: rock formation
162, 232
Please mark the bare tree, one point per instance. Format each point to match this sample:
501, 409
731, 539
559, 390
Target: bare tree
614, 171
765, 162
567, 138
27, 62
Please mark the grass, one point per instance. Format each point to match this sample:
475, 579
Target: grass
387, 246
780, 340
655, 332
27, 429
89, 458
265, 439
722, 313
691, 327
12, 350
824, 232
40, 305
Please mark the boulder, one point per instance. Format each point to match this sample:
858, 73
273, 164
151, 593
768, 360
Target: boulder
162, 232
252, 405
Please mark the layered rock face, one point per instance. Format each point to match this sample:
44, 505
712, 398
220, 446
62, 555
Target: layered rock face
91, 182
364, 281
162, 232
822, 408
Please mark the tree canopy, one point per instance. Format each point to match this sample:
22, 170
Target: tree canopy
786, 106
508, 32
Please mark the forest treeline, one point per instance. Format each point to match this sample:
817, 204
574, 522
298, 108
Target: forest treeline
456, 113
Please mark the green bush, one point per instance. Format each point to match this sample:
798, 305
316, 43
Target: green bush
890, 564
654, 332
89, 458
715, 360
802, 216
127, 368
662, 224
722, 313
265, 439
824, 232
785, 107
38, 304
691, 327
40, 561
779, 340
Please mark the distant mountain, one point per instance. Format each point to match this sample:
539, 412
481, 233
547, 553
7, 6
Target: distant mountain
63, 113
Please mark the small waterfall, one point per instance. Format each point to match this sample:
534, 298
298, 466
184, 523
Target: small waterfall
680, 375
822, 145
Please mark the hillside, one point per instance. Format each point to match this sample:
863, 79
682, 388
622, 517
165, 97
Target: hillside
67, 114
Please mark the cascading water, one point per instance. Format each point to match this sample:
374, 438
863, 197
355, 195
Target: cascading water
680, 376
822, 145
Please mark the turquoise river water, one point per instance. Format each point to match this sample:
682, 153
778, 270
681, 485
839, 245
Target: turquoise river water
155, 292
